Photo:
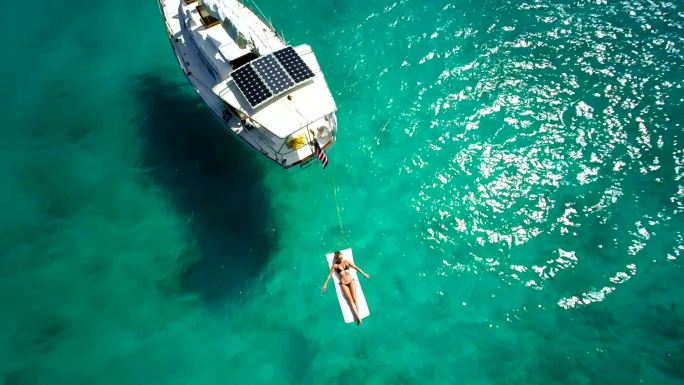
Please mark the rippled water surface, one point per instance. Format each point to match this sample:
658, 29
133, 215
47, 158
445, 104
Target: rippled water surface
509, 173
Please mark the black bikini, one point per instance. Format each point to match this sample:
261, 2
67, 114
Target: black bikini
339, 271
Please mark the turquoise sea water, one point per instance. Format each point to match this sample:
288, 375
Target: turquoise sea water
510, 174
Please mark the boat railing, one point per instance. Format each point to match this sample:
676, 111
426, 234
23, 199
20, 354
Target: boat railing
307, 133
267, 19
264, 138
247, 27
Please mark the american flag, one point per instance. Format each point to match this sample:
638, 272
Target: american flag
320, 154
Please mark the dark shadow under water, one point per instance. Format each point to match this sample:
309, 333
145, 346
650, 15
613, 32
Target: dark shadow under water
213, 180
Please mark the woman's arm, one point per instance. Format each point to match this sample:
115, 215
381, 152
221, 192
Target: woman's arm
328, 278
358, 269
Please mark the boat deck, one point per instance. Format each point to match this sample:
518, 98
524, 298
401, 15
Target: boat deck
204, 76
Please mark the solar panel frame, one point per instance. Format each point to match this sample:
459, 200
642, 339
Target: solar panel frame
294, 64
251, 85
266, 77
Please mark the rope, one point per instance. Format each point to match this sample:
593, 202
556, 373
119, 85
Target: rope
342, 239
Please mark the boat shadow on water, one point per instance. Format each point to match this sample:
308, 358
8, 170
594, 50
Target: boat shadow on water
213, 180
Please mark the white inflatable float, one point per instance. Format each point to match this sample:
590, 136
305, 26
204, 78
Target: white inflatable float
360, 298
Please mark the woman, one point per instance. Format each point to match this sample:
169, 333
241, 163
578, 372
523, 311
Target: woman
341, 266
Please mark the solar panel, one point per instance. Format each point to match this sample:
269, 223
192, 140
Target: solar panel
293, 64
273, 74
254, 90
265, 77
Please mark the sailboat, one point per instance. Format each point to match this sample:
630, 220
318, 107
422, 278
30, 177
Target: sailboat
272, 95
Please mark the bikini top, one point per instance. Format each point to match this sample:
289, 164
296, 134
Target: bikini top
345, 268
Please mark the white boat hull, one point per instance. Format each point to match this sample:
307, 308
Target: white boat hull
203, 79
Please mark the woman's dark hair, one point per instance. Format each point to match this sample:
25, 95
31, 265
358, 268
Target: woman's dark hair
338, 257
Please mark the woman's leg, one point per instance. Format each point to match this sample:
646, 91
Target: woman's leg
352, 304
352, 289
